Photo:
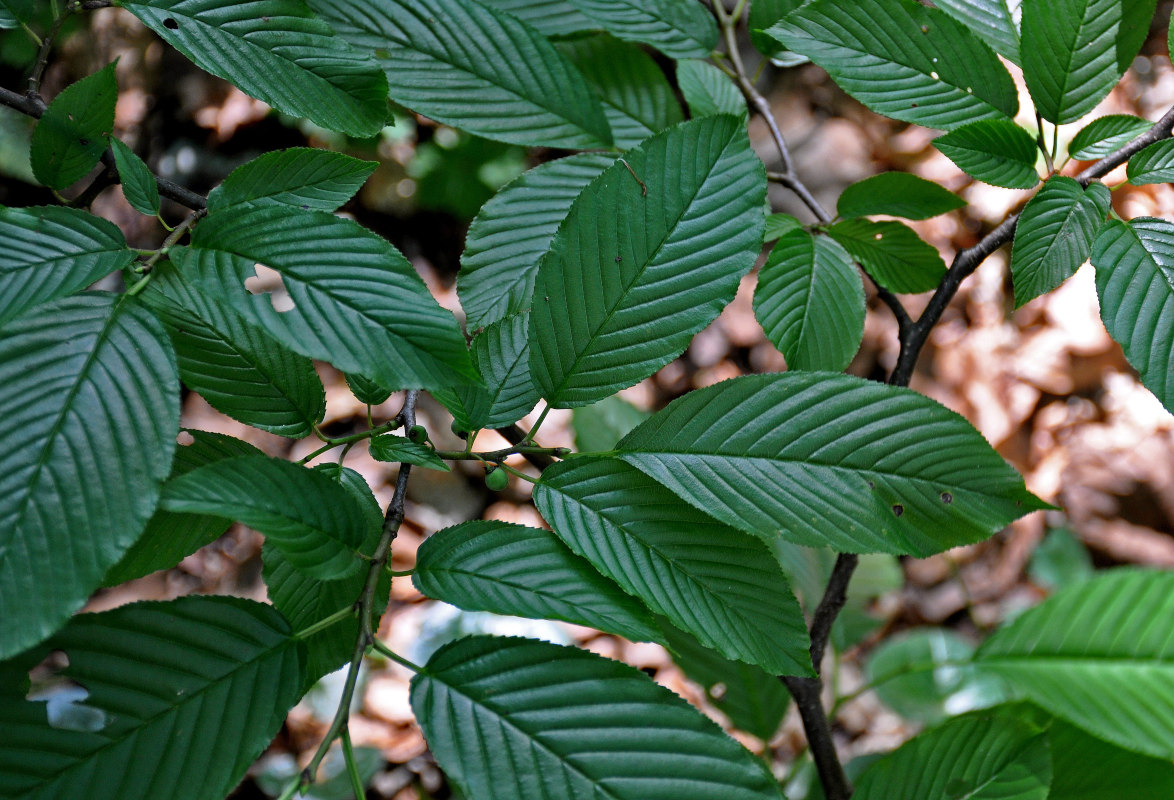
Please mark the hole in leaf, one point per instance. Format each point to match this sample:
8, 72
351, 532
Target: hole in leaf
947, 498
184, 439
63, 698
871, 485
935, 76
898, 509
717, 691
170, 24
268, 281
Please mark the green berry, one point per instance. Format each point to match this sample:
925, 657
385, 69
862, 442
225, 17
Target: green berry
418, 434
496, 479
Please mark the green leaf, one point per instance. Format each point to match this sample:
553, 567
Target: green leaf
764, 14
91, 399
525, 572
599, 426
993, 21
985, 755
513, 86
1085, 768
677, 28
513, 231
1136, 17
997, 152
551, 18
391, 448
779, 225
177, 701
707, 90
1070, 55
52, 251
366, 390
1104, 135
138, 184
71, 135
631, 277
14, 12
825, 459
305, 600
510, 719
302, 177
636, 96
169, 537
903, 60
357, 302
1060, 560
1154, 164
315, 523
897, 194
240, 370
1135, 284
278, 52
1054, 235
753, 699
710, 580
1097, 656
810, 302
892, 253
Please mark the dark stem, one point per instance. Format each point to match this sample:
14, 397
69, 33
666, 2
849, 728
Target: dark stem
515, 436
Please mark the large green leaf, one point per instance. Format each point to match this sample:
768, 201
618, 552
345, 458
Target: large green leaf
1154, 164
764, 14
677, 28
998, 754
710, 580
52, 251
650, 253
14, 12
138, 184
71, 135
599, 426
91, 398
239, 369
898, 194
1135, 284
994, 151
513, 231
516, 719
1097, 655
276, 51
474, 67
1054, 235
810, 302
176, 700
903, 60
708, 90
993, 21
635, 94
302, 177
1087, 768
357, 302
828, 459
526, 572
315, 522
1105, 134
549, 17
892, 253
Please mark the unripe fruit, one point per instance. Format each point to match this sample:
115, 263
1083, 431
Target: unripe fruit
496, 479
418, 434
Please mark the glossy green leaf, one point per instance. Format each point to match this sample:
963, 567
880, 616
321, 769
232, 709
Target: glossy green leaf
636, 270
170, 537
1061, 559
710, 580
707, 90
315, 523
985, 755
1154, 164
80, 468
513, 231
778, 225
1086, 768
810, 302
551, 18
513, 86
276, 51
177, 699
1096, 655
897, 194
599, 426
525, 572
677, 28
1135, 285
366, 390
305, 600
764, 14
302, 177
71, 135
356, 301
997, 152
1054, 235
993, 21
52, 251
501, 353
239, 369
892, 253
1070, 55
828, 459
514, 719
903, 60
138, 184
1136, 18
636, 97
1104, 135
753, 699
392, 448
